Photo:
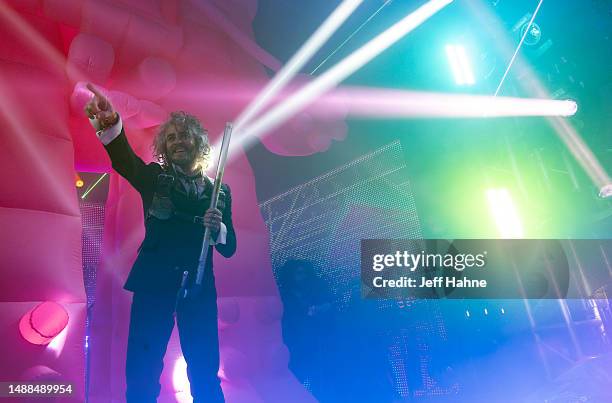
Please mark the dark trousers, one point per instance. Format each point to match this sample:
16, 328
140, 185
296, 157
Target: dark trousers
151, 323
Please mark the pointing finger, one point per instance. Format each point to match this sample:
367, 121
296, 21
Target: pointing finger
95, 91
101, 100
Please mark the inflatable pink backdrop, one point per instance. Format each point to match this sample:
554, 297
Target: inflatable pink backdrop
150, 57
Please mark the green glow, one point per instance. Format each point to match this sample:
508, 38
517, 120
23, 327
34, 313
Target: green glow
504, 213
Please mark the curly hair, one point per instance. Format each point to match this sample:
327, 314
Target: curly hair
183, 121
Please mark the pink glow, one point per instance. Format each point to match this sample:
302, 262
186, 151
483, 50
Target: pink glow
151, 58
41, 324
180, 382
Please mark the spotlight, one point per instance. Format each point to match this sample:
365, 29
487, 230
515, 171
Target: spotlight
606, 191
460, 65
41, 324
533, 35
572, 107
504, 213
79, 183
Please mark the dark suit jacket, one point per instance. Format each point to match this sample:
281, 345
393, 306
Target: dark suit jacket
170, 246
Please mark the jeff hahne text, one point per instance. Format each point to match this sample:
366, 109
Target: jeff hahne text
412, 262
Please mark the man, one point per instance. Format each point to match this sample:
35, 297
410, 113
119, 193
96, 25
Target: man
307, 324
176, 198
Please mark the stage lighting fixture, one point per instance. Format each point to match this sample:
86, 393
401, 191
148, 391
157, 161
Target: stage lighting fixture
606, 191
41, 324
533, 36
79, 183
460, 65
526, 31
525, 27
504, 213
530, 82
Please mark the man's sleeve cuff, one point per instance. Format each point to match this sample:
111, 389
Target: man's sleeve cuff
221, 237
110, 133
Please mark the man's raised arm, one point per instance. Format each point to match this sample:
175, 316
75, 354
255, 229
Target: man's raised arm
109, 129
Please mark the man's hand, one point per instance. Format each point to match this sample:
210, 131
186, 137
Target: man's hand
212, 221
101, 109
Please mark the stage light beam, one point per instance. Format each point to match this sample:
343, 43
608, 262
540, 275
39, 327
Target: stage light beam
460, 65
384, 103
93, 186
465, 65
18, 127
293, 66
513, 58
530, 82
504, 213
35, 40
337, 73
451, 54
344, 42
